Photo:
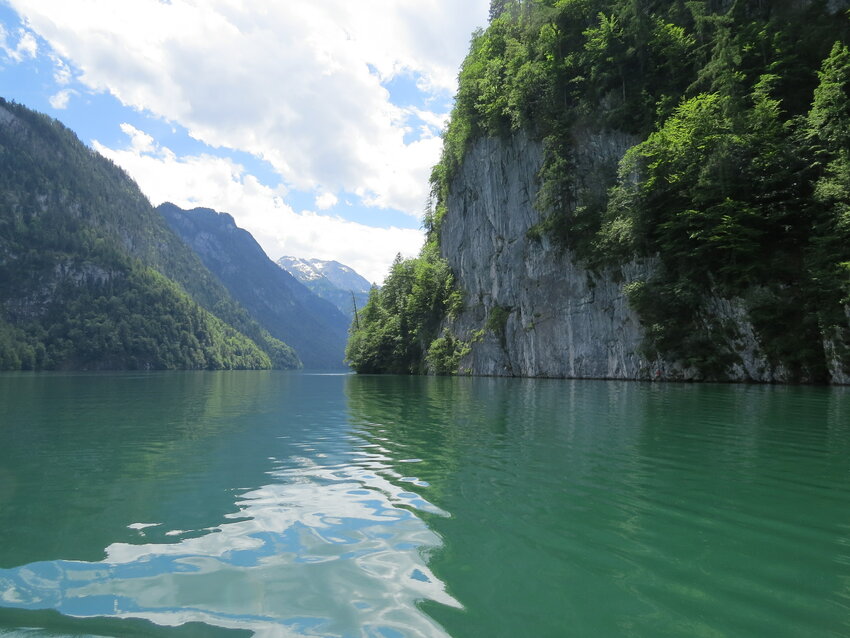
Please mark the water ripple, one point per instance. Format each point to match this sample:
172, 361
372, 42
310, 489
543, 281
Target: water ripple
322, 550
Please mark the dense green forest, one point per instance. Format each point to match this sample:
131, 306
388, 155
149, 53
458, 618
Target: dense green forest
91, 276
397, 329
739, 181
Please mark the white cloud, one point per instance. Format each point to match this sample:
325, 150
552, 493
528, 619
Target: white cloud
27, 46
436, 121
140, 142
60, 100
61, 72
326, 201
297, 83
225, 186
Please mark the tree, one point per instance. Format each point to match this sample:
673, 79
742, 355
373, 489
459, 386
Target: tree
497, 8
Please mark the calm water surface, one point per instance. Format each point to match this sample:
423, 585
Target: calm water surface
281, 504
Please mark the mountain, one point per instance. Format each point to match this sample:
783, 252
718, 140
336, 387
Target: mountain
283, 306
654, 190
330, 280
91, 277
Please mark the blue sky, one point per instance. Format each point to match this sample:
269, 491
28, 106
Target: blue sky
314, 126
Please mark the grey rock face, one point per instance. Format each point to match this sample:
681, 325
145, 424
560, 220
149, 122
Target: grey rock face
561, 319
833, 346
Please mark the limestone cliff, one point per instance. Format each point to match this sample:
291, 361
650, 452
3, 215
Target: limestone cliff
532, 309
635, 191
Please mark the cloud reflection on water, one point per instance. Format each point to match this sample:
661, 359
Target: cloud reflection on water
322, 550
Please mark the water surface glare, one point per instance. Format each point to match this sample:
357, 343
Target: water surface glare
296, 504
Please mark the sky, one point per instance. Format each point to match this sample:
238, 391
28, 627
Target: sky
315, 123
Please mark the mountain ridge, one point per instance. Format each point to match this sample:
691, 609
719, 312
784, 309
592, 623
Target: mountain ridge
287, 309
92, 277
339, 284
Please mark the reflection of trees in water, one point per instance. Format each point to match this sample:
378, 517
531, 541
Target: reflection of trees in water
451, 423
513, 462
604, 505
84, 455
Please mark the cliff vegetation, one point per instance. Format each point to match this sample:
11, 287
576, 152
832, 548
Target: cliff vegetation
738, 182
398, 329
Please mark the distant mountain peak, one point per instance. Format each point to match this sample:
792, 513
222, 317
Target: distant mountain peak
302, 269
311, 269
330, 280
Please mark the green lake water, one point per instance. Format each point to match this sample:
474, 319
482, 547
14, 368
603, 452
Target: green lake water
293, 504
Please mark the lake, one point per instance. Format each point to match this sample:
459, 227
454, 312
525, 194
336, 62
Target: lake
297, 504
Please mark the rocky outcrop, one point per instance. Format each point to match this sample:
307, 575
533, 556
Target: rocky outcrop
530, 308
835, 347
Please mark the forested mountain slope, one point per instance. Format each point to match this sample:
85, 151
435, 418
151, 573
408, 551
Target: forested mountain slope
283, 306
91, 277
636, 189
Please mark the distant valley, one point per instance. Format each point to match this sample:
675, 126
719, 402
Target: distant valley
286, 308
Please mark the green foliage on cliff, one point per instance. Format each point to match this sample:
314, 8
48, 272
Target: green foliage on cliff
738, 199
90, 275
739, 181
395, 331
